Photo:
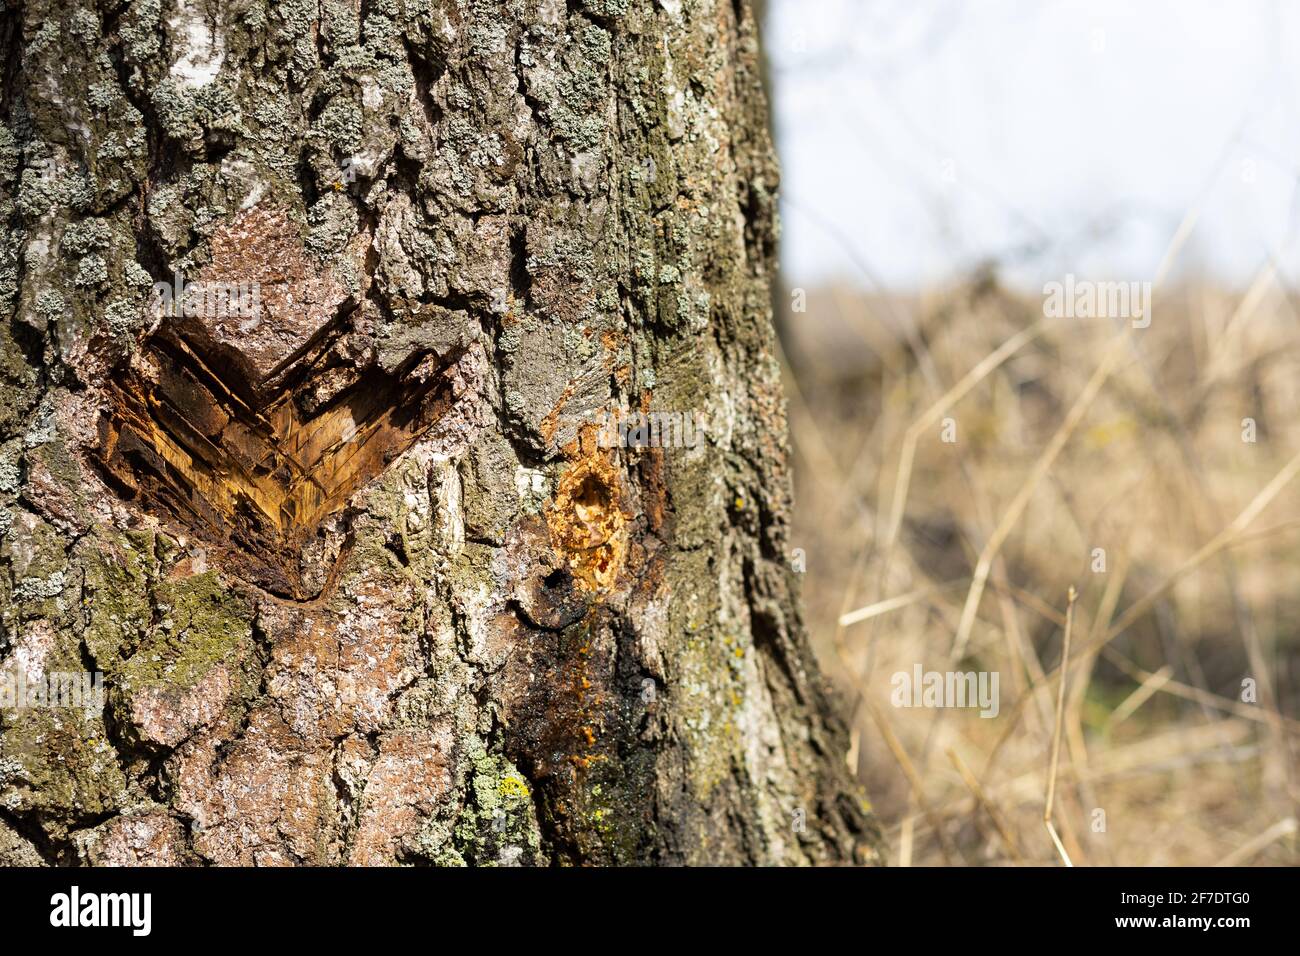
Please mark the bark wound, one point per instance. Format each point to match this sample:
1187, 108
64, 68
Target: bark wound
588, 521
250, 432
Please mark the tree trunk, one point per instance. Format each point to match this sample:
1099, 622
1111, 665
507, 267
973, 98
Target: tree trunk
329, 327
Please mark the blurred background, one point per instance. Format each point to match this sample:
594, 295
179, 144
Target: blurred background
963, 461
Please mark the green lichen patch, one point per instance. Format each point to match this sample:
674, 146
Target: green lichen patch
198, 622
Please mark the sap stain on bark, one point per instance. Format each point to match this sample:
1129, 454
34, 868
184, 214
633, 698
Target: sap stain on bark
588, 520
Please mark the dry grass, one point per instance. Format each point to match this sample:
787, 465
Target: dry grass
1071, 435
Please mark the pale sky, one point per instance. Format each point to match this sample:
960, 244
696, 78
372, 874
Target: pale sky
919, 137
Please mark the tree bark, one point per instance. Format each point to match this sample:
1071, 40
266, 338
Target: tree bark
368, 575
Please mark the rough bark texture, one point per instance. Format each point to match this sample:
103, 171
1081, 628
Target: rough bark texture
363, 583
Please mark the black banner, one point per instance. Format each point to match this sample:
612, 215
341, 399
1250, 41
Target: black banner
977, 908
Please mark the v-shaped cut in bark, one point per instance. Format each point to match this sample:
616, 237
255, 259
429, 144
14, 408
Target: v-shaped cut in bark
253, 474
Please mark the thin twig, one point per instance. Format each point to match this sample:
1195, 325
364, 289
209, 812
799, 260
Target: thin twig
1070, 598
1017, 507
1283, 828
982, 799
909, 771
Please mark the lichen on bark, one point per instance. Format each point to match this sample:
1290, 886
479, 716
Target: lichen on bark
511, 644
